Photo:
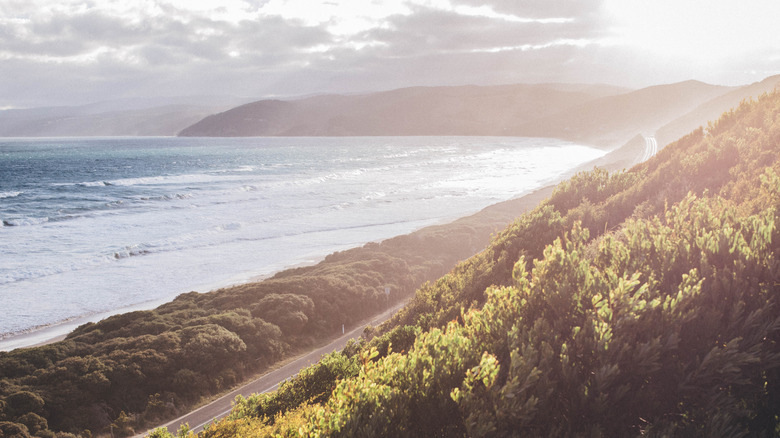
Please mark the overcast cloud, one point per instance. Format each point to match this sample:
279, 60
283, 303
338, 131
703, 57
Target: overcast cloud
73, 52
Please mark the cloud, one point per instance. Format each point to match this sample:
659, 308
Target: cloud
77, 51
431, 30
541, 9
63, 34
440, 43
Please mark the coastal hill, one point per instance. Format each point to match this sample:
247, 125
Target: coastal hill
636, 303
712, 109
613, 305
599, 115
616, 119
463, 110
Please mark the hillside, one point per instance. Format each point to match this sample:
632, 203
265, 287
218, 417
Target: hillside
616, 119
712, 109
136, 369
465, 110
638, 303
642, 302
599, 115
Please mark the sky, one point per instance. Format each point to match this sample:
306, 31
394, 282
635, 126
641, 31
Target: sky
72, 52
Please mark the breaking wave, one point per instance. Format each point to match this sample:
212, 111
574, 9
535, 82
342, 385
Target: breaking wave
4, 195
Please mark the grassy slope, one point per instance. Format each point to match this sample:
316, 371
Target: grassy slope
638, 303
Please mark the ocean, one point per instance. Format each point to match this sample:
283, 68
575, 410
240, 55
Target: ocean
95, 226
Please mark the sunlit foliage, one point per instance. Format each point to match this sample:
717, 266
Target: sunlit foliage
642, 303
140, 368
638, 303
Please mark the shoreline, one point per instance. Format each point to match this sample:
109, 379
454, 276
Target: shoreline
56, 332
49, 334
59, 331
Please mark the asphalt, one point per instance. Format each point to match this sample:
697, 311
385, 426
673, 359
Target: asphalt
220, 407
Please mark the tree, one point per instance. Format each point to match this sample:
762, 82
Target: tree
211, 347
22, 402
15, 430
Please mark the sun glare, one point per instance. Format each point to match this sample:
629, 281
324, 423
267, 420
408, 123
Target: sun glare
699, 29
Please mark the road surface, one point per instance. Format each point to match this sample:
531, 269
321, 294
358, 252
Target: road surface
219, 408
651, 148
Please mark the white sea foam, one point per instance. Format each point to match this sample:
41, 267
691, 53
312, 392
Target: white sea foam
197, 178
4, 195
172, 197
374, 196
25, 221
34, 272
182, 242
229, 227
253, 207
94, 184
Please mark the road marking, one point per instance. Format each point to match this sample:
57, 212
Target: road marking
651, 148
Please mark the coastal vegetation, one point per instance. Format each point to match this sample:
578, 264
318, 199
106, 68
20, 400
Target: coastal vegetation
639, 302
136, 369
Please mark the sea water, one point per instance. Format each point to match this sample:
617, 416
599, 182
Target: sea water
100, 225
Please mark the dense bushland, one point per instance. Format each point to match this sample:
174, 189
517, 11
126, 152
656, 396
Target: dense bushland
641, 303
139, 368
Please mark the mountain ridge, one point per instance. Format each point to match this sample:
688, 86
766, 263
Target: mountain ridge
712, 109
599, 115
616, 119
608, 117
460, 110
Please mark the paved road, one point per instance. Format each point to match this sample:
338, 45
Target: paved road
219, 408
651, 148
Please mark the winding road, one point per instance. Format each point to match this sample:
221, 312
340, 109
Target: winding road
220, 407
651, 148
